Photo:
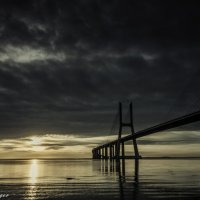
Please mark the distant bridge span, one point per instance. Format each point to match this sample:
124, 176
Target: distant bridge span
101, 152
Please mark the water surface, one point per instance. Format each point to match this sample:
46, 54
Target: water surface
98, 179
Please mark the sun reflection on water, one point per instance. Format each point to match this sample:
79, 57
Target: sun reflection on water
33, 171
33, 175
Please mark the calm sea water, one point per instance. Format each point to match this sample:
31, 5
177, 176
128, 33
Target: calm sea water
94, 179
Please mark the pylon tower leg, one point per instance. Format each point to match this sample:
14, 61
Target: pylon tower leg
121, 125
135, 146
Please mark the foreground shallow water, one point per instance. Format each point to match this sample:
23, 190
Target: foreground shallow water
97, 179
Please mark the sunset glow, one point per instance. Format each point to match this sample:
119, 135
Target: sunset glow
73, 146
35, 141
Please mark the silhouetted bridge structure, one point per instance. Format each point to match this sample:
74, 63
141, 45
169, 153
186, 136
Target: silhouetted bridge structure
115, 149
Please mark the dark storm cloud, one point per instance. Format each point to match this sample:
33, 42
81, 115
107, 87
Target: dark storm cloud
64, 65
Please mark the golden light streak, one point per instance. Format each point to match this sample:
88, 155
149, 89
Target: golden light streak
33, 173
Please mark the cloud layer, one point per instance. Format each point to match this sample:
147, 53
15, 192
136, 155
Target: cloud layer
64, 65
176, 143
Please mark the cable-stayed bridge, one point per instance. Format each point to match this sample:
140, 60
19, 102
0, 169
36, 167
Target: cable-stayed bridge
115, 149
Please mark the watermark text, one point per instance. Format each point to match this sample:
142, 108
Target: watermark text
4, 196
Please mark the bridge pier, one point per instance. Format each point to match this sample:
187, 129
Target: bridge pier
93, 154
113, 151
99, 153
96, 154
123, 152
102, 150
116, 151
110, 151
106, 152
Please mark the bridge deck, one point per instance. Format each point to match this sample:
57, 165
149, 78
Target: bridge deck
180, 121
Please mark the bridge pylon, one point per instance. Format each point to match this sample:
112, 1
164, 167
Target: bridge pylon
125, 124
101, 152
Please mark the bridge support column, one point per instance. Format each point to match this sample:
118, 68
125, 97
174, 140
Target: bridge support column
113, 151
133, 132
94, 154
123, 153
116, 151
106, 152
110, 151
99, 153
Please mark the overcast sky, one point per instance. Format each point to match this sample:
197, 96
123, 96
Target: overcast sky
65, 65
